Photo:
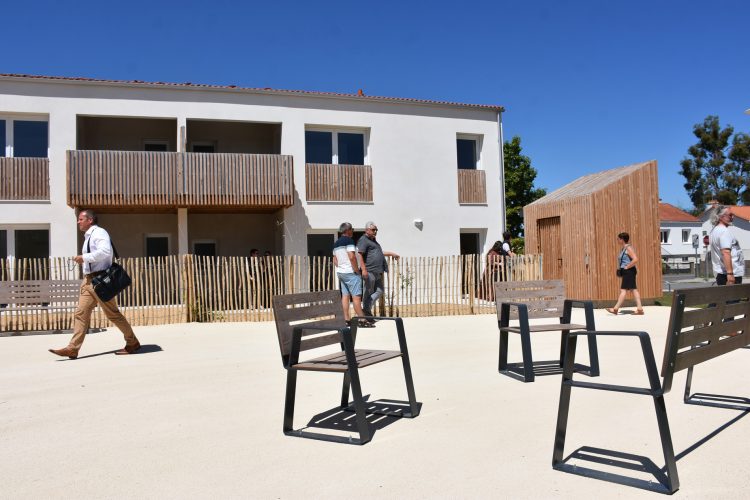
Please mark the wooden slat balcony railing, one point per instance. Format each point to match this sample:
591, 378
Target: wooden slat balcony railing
138, 179
229, 179
472, 187
24, 179
324, 182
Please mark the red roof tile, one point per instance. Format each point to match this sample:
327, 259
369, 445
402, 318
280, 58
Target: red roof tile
670, 213
263, 90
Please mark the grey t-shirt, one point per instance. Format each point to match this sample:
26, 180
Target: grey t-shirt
372, 254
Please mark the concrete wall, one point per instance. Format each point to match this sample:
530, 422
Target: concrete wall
236, 137
412, 150
124, 134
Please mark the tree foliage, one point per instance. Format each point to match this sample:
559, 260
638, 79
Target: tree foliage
718, 167
519, 186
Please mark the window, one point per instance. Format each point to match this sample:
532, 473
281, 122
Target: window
155, 145
157, 245
665, 236
686, 235
204, 248
333, 147
203, 147
2, 138
24, 138
32, 243
466, 150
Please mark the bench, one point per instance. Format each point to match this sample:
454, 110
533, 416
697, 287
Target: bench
525, 300
704, 324
307, 321
26, 296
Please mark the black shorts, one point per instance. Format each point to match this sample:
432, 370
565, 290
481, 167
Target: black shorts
721, 279
628, 279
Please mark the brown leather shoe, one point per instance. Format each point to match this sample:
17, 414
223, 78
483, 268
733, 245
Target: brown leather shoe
65, 351
128, 349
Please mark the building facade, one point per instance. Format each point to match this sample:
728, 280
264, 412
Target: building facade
186, 168
681, 239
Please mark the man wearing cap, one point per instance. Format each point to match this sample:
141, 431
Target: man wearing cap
375, 265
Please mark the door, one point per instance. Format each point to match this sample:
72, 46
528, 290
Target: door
320, 252
550, 246
469, 245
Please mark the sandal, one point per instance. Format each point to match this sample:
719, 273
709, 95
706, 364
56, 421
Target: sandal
363, 323
612, 310
639, 312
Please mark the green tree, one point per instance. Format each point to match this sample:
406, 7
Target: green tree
519, 188
719, 165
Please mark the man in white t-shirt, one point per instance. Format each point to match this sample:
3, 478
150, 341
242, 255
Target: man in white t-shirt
726, 254
348, 271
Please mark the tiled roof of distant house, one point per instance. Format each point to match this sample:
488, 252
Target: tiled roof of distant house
251, 90
670, 213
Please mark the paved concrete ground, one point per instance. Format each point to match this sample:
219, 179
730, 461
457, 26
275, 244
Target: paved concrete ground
202, 418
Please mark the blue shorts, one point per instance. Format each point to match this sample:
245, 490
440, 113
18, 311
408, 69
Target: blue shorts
350, 283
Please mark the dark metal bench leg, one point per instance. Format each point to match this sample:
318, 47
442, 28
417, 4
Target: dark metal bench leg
528, 362
345, 391
291, 390
502, 363
359, 407
563, 408
593, 356
670, 464
413, 407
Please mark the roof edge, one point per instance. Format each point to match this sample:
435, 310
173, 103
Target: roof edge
247, 90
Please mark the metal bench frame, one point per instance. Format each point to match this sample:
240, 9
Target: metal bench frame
297, 308
694, 336
524, 300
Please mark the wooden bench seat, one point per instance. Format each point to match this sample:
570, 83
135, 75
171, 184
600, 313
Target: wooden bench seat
526, 300
704, 324
306, 321
21, 297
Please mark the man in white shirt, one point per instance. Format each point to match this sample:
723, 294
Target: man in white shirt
96, 256
726, 253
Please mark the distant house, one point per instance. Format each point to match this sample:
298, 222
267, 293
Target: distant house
740, 228
680, 236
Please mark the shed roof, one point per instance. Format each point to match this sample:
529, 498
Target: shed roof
590, 183
670, 213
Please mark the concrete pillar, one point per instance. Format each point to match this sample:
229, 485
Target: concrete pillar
182, 231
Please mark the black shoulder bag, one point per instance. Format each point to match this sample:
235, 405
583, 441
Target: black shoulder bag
109, 283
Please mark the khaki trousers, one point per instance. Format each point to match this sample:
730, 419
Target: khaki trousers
87, 301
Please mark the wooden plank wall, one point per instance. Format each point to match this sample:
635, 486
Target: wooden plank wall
589, 225
24, 179
324, 182
631, 205
472, 187
159, 179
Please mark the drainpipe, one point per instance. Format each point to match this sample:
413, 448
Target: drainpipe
502, 164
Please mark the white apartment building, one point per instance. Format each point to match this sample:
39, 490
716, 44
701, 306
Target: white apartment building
218, 170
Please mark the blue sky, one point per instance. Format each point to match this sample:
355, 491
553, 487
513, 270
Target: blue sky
588, 85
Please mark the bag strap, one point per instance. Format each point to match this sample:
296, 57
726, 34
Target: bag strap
112, 244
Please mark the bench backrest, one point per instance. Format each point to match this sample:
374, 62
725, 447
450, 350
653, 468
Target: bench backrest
698, 330
315, 307
28, 292
544, 298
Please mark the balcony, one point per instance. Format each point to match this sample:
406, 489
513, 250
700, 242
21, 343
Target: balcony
135, 179
338, 183
24, 179
472, 187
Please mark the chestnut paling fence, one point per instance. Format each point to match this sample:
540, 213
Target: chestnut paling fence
177, 289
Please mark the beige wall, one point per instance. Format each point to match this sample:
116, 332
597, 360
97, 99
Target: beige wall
124, 134
234, 234
236, 137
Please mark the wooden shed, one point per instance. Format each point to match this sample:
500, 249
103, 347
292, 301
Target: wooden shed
576, 228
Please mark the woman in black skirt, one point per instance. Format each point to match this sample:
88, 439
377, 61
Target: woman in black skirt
626, 268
